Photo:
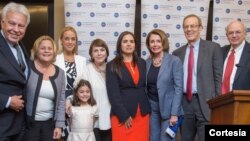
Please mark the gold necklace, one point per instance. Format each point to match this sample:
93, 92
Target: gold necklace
42, 67
46, 70
132, 68
69, 58
157, 61
98, 69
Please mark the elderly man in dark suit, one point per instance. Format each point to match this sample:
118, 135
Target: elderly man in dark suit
236, 58
13, 71
202, 64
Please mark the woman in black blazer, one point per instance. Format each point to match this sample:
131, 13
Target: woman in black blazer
126, 81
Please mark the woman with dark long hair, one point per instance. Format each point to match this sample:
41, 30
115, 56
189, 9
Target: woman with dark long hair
126, 82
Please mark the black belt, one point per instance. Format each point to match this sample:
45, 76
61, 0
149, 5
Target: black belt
194, 94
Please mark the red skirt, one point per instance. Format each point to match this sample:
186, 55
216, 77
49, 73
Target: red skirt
138, 132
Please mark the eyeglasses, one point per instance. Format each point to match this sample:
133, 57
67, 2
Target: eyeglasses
190, 26
234, 33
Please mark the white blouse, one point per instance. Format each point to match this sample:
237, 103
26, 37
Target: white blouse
100, 94
46, 97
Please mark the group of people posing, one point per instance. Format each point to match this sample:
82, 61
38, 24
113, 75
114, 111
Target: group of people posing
56, 94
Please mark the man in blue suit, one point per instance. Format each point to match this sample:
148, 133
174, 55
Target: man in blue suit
13, 71
239, 78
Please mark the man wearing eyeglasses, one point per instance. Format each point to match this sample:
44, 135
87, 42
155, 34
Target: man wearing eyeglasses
202, 64
236, 58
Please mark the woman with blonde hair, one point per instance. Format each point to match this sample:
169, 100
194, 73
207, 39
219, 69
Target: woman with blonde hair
73, 64
68, 59
45, 101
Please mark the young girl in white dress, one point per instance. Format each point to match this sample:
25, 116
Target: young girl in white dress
83, 113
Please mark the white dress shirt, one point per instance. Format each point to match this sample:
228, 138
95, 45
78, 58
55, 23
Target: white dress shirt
237, 55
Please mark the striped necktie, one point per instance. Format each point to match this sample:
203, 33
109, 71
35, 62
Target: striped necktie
20, 58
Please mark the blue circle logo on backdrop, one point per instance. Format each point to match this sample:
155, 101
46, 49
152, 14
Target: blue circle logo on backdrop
168, 17
217, 1
127, 5
144, 53
79, 4
217, 19
127, 24
178, 26
178, 8
115, 52
192, 0
248, 12
144, 16
78, 23
177, 44
248, 29
227, 10
216, 37
144, 34
240, 2
202, 9
155, 25
79, 43
92, 14
103, 24
156, 6
103, 5
116, 34
168, 35
116, 15
67, 14
92, 33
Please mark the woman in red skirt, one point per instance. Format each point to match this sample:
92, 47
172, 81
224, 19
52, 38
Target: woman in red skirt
126, 82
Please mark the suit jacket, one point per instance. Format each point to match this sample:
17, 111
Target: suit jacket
241, 79
169, 85
124, 95
12, 82
209, 72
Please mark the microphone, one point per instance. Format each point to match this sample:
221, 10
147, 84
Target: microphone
238, 65
241, 67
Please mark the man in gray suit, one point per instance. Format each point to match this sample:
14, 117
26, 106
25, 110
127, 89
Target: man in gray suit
202, 64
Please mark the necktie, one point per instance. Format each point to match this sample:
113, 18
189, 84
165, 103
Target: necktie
190, 73
20, 58
227, 73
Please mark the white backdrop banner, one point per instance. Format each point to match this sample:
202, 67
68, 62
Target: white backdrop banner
104, 19
224, 12
168, 15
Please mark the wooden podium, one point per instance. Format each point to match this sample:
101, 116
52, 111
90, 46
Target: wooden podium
231, 108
